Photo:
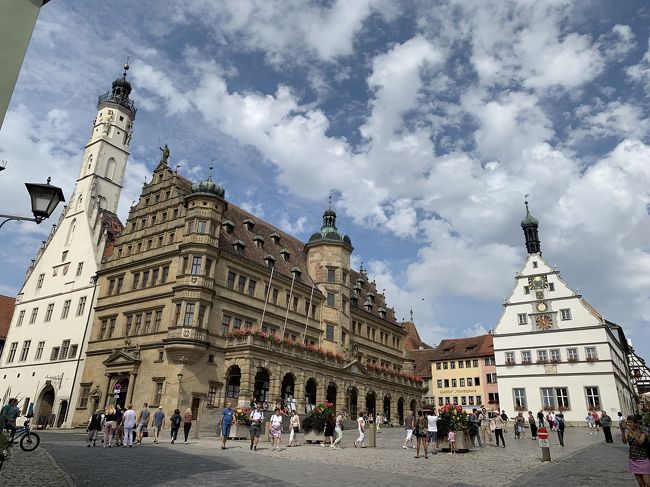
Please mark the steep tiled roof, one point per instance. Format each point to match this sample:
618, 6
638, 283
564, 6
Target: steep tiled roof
379, 300
7, 305
423, 359
453, 348
112, 223
413, 340
296, 256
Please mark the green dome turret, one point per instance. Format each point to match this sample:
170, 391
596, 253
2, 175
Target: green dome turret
530, 225
208, 186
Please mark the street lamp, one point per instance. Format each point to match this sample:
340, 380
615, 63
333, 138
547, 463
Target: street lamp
44, 197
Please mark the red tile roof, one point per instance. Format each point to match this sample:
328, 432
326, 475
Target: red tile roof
480, 346
413, 340
423, 359
7, 306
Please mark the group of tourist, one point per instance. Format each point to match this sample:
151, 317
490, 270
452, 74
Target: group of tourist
127, 427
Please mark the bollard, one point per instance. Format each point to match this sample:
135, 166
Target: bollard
371, 433
195, 429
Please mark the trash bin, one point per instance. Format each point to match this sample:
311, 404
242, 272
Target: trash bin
371, 436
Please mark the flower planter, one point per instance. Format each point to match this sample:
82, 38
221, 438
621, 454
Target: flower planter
313, 437
240, 431
463, 443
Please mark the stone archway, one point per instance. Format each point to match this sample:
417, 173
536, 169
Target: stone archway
288, 390
400, 410
233, 382
124, 388
331, 393
261, 388
45, 406
371, 403
351, 401
310, 394
386, 408
414, 406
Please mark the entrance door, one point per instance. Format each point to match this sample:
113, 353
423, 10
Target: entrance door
63, 408
196, 402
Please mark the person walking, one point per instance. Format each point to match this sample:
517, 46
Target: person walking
328, 433
225, 423
499, 425
451, 438
533, 426
597, 423
157, 423
175, 423
109, 426
361, 426
540, 418
119, 426
421, 433
485, 427
520, 424
94, 426
338, 429
637, 440
129, 424
432, 432
187, 423
275, 429
606, 422
550, 419
505, 419
473, 430
294, 428
590, 423
559, 419
256, 417
143, 422
409, 425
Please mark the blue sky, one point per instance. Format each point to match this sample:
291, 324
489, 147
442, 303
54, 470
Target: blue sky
428, 120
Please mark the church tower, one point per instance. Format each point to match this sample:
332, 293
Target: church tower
47, 338
530, 225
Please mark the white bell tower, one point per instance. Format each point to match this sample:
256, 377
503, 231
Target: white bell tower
104, 162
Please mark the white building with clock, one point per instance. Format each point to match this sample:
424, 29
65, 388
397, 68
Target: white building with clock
44, 355
553, 350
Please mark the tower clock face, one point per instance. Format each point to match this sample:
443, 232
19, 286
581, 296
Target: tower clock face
539, 294
541, 307
537, 282
544, 322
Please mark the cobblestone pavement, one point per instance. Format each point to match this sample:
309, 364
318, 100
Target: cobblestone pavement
586, 460
33, 469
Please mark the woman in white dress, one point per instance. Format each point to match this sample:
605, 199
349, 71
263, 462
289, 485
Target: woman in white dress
275, 427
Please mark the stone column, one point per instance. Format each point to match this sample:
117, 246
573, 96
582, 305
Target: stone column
245, 386
299, 393
274, 387
107, 392
129, 396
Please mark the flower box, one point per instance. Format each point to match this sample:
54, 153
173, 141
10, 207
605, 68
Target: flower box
526, 362
572, 360
313, 436
463, 442
555, 360
510, 362
239, 431
592, 359
542, 361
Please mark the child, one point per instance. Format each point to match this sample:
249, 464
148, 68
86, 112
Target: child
451, 438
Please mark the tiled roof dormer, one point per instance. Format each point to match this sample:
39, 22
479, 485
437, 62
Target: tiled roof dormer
276, 238
228, 225
249, 224
285, 254
270, 260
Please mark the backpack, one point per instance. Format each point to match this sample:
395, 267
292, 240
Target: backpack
176, 420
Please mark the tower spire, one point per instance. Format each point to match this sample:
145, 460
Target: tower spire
530, 226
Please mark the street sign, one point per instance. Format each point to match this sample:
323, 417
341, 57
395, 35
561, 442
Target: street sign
544, 443
542, 433
117, 389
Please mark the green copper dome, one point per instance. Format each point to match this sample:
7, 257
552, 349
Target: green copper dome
529, 219
208, 186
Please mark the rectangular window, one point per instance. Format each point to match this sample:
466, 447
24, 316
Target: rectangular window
154, 276
118, 287
461, 364
201, 316
542, 356
548, 399
562, 397
468, 364
230, 283
441, 401
145, 278
439, 383
551, 286
438, 366
39, 283
491, 378
331, 275
461, 382
128, 325
21, 317
80, 267
446, 382
138, 324
590, 354
232, 390
523, 318
208, 267
295, 303
470, 400
463, 400
189, 314
593, 397
111, 328
452, 364
510, 358
477, 381
84, 394
455, 400
526, 290
48, 312
489, 361
55, 353
185, 262
479, 400
196, 266
102, 329
526, 357
147, 321
275, 296
136, 280
572, 354
73, 351
39, 350
165, 275
445, 365
225, 323
453, 383
111, 286
65, 347
212, 395
81, 306
241, 284
200, 226
177, 314
25, 350
565, 314
554, 355
251, 287
475, 363
157, 393
32, 318
331, 299
519, 395
329, 332
157, 320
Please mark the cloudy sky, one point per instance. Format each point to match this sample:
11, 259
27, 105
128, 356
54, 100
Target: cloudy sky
428, 120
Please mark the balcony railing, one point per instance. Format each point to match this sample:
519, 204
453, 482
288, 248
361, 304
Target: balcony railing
188, 333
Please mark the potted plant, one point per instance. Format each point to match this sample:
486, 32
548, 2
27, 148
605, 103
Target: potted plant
313, 425
241, 427
453, 418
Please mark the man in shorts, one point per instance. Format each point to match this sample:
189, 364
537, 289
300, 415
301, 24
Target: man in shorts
158, 421
256, 418
227, 418
143, 422
432, 432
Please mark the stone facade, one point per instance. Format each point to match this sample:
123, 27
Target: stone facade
202, 303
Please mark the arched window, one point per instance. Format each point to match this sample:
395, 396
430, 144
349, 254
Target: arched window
70, 236
110, 169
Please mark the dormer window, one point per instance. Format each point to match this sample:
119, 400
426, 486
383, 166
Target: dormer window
228, 225
239, 246
270, 260
371, 297
250, 224
296, 272
382, 312
368, 305
285, 254
360, 282
259, 241
355, 301
276, 238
